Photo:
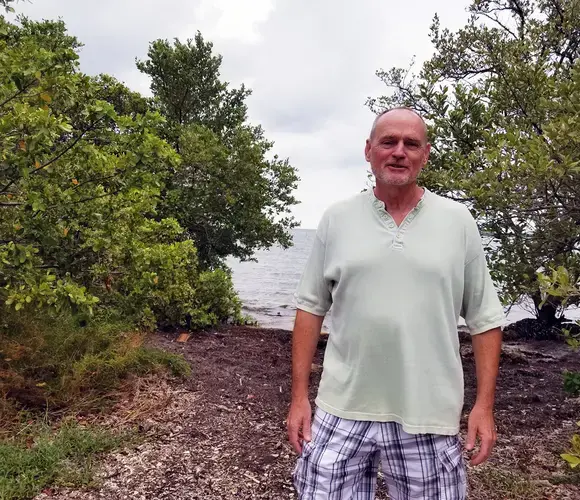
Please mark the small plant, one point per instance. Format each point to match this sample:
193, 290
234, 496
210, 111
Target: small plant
572, 382
572, 339
43, 457
573, 456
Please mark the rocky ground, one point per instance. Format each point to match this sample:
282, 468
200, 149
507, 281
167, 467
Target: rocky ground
221, 434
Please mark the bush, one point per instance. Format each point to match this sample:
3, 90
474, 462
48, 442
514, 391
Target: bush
572, 382
63, 457
52, 360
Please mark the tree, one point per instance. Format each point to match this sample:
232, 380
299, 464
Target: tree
6, 5
231, 198
502, 98
79, 191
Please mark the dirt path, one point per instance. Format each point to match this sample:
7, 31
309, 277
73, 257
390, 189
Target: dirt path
221, 435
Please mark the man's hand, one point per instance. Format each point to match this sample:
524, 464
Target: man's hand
299, 419
481, 424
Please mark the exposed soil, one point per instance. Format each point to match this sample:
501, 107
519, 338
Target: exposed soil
222, 435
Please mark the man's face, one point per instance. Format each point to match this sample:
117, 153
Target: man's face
398, 149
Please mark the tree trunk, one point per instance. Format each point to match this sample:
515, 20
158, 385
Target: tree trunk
547, 314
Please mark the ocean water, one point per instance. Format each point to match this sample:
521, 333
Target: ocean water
266, 287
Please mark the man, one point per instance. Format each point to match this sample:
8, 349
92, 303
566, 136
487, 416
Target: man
399, 265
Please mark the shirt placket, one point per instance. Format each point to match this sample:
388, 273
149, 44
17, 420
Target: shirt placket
399, 232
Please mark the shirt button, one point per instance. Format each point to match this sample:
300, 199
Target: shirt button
399, 236
391, 225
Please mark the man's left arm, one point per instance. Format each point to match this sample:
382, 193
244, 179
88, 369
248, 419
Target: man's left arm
484, 316
487, 351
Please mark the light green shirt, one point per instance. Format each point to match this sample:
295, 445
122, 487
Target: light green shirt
397, 293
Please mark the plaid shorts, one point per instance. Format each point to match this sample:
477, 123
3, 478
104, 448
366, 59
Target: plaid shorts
342, 461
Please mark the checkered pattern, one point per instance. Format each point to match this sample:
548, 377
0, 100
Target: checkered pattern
342, 461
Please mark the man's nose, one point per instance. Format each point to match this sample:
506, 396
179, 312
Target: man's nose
399, 151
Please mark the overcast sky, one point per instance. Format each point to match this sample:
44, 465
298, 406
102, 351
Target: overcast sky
310, 63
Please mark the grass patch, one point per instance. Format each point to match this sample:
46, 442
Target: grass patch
54, 363
41, 457
492, 483
52, 367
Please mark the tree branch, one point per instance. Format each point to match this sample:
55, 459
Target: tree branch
56, 158
497, 21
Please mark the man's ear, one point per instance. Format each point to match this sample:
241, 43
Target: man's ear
427, 152
368, 151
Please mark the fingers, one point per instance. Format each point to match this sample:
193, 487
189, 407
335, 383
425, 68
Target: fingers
471, 436
299, 426
306, 428
293, 437
487, 442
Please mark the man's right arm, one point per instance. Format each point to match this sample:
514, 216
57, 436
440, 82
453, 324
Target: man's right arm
307, 329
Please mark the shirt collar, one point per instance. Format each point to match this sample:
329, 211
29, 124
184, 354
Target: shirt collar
380, 205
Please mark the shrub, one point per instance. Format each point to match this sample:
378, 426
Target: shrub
572, 382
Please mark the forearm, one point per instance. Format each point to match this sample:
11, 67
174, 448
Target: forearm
487, 352
307, 329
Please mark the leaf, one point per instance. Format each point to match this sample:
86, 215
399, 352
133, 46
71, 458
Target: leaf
22, 145
573, 460
37, 164
75, 182
38, 75
18, 306
65, 231
41, 384
45, 97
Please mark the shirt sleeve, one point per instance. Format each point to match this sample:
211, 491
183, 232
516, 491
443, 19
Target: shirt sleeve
481, 307
313, 292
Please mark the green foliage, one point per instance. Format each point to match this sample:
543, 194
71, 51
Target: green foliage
501, 96
51, 361
63, 457
573, 456
6, 5
558, 285
185, 82
80, 186
572, 382
227, 193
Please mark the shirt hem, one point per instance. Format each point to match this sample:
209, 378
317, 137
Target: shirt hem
476, 330
389, 417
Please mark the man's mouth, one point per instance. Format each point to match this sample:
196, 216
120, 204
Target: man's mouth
396, 166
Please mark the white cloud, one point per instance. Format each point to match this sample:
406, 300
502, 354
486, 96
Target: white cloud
311, 65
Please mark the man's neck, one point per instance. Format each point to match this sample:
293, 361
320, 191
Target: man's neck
399, 198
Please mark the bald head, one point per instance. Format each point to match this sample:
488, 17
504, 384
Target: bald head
399, 111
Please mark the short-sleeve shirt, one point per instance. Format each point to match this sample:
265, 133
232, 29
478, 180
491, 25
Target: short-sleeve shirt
396, 294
